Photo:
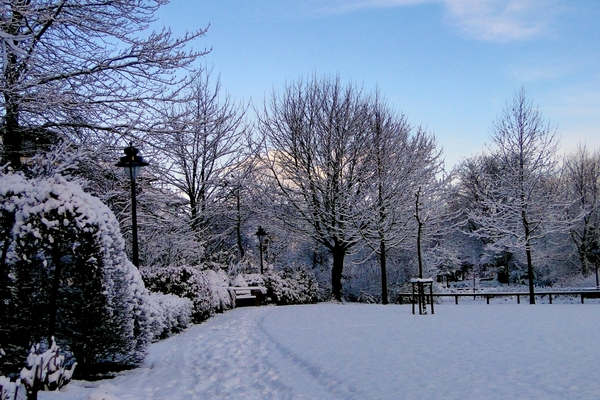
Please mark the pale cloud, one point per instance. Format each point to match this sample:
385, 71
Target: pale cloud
487, 20
541, 72
349, 6
502, 20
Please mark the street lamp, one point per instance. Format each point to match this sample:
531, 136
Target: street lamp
132, 163
261, 237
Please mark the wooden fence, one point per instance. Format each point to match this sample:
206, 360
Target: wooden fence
407, 298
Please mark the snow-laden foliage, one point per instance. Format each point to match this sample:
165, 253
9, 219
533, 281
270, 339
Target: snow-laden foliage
170, 314
284, 287
64, 273
44, 370
206, 288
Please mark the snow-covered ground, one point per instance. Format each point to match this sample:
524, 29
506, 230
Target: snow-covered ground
354, 351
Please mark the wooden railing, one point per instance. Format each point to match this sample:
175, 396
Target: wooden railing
583, 294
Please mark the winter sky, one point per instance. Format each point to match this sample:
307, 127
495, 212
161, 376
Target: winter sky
449, 65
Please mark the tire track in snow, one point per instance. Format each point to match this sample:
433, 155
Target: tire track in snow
334, 385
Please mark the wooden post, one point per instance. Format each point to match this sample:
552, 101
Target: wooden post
431, 296
413, 297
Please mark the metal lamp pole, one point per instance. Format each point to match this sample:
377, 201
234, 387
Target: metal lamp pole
261, 236
132, 164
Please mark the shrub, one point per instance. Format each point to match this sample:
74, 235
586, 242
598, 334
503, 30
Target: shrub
64, 273
170, 314
207, 289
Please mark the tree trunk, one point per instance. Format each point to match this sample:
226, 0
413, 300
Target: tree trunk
12, 139
338, 253
239, 225
529, 258
53, 312
384, 291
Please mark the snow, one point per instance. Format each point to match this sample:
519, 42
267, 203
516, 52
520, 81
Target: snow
357, 351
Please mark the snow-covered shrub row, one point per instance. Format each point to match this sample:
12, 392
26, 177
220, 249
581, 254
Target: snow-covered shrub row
64, 273
284, 287
207, 289
170, 314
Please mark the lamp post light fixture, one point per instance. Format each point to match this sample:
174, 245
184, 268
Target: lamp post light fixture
132, 163
261, 237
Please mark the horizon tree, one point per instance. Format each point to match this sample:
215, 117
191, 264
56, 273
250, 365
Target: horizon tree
581, 177
523, 205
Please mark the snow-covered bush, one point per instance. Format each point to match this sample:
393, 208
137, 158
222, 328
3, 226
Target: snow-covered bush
292, 287
44, 370
64, 273
170, 314
284, 287
207, 289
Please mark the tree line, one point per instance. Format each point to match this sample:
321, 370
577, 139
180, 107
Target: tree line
343, 183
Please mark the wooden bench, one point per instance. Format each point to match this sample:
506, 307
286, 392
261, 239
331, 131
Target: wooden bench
247, 295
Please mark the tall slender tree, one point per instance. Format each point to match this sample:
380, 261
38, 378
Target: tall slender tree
203, 142
582, 180
524, 202
400, 160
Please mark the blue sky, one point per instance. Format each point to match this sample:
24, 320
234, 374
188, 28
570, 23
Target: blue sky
449, 65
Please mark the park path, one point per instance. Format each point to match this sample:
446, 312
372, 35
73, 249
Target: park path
230, 356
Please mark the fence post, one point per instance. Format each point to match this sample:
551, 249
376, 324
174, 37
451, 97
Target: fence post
431, 295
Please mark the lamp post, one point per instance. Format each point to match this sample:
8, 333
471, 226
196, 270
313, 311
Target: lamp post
132, 163
261, 237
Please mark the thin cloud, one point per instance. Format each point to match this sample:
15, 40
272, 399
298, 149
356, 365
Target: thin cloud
349, 6
501, 20
487, 20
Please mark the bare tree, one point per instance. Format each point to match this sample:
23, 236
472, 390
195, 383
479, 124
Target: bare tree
82, 69
400, 161
582, 180
203, 142
523, 201
316, 147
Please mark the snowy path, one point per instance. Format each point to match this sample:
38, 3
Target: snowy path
331, 351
